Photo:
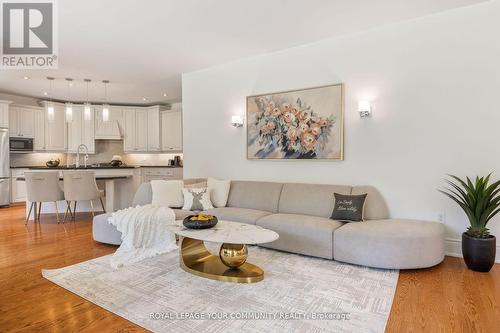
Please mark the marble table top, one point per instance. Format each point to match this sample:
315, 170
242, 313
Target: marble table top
227, 232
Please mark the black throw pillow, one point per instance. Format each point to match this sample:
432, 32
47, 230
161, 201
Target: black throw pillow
348, 208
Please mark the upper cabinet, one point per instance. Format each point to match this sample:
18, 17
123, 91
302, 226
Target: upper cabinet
171, 130
56, 130
4, 114
142, 130
22, 121
39, 140
81, 130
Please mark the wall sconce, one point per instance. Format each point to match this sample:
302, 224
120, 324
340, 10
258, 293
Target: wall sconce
364, 108
237, 121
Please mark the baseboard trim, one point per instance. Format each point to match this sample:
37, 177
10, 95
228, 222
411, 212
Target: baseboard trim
453, 248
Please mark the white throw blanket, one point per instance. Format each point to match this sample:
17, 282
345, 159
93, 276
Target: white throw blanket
144, 233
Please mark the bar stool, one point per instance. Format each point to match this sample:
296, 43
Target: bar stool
81, 185
42, 186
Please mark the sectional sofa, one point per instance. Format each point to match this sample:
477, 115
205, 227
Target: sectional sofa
299, 213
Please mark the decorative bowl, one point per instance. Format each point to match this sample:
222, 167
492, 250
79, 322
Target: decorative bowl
116, 163
197, 224
53, 163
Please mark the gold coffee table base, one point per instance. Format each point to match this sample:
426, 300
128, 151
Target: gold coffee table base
197, 260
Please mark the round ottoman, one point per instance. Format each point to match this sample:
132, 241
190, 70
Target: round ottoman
393, 243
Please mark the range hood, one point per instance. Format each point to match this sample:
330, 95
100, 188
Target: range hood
108, 130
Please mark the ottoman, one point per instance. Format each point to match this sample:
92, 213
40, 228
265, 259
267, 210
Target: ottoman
392, 243
104, 232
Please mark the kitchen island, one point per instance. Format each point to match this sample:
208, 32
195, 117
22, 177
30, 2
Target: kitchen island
119, 184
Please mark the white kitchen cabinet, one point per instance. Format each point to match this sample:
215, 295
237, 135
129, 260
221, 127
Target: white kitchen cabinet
4, 114
160, 173
39, 130
136, 130
17, 187
171, 131
153, 134
56, 130
81, 131
22, 121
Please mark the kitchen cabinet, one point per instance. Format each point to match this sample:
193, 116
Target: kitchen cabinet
56, 130
17, 187
153, 133
39, 130
159, 173
22, 121
4, 114
136, 130
81, 131
171, 131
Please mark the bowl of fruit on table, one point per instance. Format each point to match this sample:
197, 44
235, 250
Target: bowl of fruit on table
200, 221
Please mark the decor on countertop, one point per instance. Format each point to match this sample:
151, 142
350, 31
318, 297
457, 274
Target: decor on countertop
481, 202
116, 161
196, 199
348, 208
298, 124
200, 221
53, 163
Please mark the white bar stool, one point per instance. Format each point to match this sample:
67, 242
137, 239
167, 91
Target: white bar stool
81, 185
42, 186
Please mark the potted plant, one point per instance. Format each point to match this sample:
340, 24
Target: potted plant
480, 202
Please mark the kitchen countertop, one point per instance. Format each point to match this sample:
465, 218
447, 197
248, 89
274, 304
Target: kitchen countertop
97, 178
63, 167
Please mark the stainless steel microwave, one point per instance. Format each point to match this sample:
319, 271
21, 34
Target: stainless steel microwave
21, 145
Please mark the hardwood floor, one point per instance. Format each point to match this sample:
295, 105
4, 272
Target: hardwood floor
446, 298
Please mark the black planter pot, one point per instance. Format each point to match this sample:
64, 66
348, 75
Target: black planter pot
479, 253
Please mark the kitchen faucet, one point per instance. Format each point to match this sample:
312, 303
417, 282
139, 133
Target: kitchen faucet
85, 159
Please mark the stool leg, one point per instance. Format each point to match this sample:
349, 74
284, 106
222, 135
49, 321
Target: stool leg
103, 209
92, 207
66, 211
29, 213
39, 210
74, 211
57, 212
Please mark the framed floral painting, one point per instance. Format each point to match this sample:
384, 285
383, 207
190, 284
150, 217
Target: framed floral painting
298, 124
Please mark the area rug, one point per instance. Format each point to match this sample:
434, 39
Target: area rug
298, 294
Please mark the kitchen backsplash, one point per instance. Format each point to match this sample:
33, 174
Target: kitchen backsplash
105, 149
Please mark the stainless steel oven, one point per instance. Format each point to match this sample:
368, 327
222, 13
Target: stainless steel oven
21, 145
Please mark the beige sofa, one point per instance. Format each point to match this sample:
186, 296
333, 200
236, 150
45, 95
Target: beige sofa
299, 213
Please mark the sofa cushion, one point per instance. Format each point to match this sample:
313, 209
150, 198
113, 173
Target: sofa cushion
309, 235
375, 205
309, 199
255, 195
243, 215
399, 244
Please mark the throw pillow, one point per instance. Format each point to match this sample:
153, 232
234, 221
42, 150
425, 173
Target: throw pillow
348, 208
219, 191
167, 193
196, 199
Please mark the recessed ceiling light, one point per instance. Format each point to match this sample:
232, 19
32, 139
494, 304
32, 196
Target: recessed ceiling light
164, 94
26, 77
144, 99
45, 93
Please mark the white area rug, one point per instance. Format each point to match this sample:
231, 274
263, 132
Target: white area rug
295, 289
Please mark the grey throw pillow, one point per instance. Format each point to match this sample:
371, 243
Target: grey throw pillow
348, 208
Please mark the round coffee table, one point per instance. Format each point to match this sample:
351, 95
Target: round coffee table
230, 265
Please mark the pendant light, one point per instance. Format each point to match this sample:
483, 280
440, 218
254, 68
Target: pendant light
86, 106
50, 105
105, 106
69, 105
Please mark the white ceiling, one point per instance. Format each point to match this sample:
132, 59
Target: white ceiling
143, 47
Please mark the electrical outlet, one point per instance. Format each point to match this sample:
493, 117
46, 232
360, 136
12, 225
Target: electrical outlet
441, 217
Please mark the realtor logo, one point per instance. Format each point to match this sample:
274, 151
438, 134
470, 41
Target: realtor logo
28, 34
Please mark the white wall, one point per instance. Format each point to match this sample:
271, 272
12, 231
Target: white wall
435, 87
